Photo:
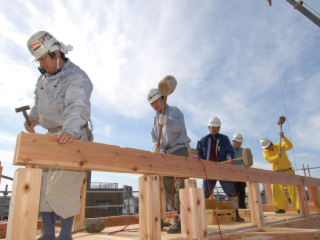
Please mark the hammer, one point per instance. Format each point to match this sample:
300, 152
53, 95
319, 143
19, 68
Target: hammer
24, 111
247, 157
166, 86
281, 120
92, 225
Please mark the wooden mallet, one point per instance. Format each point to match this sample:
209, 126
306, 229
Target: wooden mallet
92, 225
166, 86
24, 111
281, 120
246, 157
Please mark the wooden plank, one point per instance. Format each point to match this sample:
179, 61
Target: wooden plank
316, 198
24, 204
311, 182
255, 203
312, 222
80, 218
149, 208
269, 193
192, 210
163, 203
303, 202
45, 151
260, 238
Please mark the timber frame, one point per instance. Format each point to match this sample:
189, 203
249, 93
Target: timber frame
37, 150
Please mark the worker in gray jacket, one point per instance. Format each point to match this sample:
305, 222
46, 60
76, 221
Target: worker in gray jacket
174, 140
62, 106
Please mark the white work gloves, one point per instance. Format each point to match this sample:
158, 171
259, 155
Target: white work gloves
156, 149
163, 119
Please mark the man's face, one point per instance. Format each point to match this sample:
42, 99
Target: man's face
48, 63
214, 130
236, 144
157, 105
270, 148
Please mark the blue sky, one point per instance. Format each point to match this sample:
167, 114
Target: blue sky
221, 53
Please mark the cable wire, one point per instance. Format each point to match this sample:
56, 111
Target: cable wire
311, 8
284, 102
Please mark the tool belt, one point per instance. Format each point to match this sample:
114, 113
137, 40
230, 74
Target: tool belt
55, 129
178, 144
284, 170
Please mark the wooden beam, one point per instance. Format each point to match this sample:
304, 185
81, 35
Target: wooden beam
149, 208
269, 193
316, 198
260, 238
303, 202
255, 204
311, 182
45, 151
80, 218
163, 203
24, 204
270, 208
312, 222
192, 207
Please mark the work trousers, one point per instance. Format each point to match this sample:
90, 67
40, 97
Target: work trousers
228, 187
240, 188
279, 196
168, 183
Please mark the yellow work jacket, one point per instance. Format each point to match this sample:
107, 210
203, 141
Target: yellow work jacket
273, 158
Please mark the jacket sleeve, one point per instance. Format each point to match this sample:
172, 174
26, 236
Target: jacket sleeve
77, 102
34, 115
229, 149
270, 159
201, 154
175, 122
286, 145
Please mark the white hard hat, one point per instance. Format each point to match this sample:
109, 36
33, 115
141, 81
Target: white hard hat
153, 95
40, 44
214, 122
238, 137
265, 142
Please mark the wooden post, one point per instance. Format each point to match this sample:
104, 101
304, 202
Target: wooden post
303, 202
192, 208
310, 195
24, 204
163, 203
255, 204
149, 208
316, 198
80, 218
269, 193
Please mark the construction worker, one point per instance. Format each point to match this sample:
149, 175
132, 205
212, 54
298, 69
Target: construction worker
216, 147
240, 187
62, 106
174, 140
280, 163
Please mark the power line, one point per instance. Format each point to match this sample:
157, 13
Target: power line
284, 102
311, 8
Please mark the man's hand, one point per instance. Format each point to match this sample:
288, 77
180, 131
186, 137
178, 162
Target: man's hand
30, 129
63, 137
163, 119
279, 154
281, 134
230, 161
156, 149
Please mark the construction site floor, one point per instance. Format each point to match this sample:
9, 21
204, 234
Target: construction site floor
270, 219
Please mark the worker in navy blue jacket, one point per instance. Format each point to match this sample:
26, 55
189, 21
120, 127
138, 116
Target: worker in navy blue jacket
216, 147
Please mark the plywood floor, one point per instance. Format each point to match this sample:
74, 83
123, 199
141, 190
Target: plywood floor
270, 219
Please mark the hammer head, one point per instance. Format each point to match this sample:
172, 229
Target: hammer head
22, 108
281, 120
247, 157
167, 85
95, 225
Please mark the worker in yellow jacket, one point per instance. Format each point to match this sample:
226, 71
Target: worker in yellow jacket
280, 163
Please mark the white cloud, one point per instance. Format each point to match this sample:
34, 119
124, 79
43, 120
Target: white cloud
6, 156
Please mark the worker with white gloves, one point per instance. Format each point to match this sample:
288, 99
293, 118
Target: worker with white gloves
240, 187
280, 163
216, 147
174, 140
62, 106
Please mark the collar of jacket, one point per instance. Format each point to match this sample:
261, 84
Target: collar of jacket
60, 72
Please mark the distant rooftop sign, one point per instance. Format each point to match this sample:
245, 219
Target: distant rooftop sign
103, 185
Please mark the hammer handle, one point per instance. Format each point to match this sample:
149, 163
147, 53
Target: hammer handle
26, 117
280, 136
162, 113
